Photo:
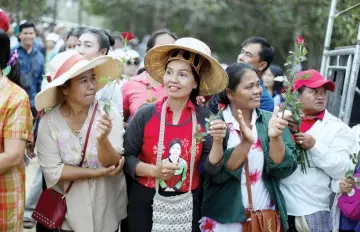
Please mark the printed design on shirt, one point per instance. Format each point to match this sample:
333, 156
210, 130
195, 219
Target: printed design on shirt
208, 225
257, 145
231, 127
174, 156
255, 176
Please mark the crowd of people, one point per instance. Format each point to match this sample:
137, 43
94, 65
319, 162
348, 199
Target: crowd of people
172, 141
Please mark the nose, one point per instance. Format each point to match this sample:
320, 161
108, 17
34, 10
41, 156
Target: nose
79, 49
173, 78
240, 58
93, 85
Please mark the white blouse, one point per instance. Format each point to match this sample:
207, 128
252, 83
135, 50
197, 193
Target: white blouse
93, 205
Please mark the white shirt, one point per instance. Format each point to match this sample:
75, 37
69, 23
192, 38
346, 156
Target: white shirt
308, 193
260, 196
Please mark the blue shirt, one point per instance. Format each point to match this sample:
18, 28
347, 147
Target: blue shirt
32, 69
266, 101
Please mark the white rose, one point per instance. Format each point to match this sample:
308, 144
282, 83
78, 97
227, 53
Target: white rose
281, 79
287, 114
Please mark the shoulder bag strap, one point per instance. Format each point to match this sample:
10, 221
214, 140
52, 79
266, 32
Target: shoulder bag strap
83, 153
248, 184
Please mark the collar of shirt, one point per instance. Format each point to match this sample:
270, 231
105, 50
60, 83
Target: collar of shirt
185, 114
307, 123
233, 123
20, 48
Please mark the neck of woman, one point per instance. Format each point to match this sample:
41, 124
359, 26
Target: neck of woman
75, 110
177, 105
270, 90
247, 113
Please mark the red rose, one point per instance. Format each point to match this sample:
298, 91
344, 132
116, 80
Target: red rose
48, 78
299, 40
221, 107
127, 36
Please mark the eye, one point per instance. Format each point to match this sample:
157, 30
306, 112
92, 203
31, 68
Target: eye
183, 74
258, 83
88, 46
168, 72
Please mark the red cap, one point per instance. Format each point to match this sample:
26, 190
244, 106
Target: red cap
4, 21
315, 80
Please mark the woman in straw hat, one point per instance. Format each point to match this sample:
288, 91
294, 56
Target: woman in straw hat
97, 199
15, 131
186, 70
258, 152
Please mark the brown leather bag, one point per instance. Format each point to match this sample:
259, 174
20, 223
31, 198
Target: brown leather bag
266, 220
51, 208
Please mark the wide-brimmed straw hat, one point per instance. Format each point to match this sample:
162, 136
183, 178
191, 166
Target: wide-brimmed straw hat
213, 78
69, 64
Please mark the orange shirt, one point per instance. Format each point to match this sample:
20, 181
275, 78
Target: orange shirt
15, 123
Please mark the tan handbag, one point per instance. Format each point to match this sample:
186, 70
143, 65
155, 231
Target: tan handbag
266, 220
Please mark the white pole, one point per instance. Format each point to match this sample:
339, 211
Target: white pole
328, 35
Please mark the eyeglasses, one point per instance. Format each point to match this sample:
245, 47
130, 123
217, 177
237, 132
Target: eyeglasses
135, 62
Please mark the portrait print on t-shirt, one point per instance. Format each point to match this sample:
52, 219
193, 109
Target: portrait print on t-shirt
174, 156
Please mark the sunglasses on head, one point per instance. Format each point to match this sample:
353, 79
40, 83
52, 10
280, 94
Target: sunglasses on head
135, 62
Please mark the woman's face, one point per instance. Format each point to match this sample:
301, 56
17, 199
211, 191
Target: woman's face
71, 42
82, 89
175, 152
179, 80
88, 46
268, 79
248, 93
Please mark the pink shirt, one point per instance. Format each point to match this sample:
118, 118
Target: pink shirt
138, 91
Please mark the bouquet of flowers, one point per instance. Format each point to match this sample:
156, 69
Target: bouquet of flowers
109, 82
291, 103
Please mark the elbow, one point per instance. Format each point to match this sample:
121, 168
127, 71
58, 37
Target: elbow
18, 158
231, 166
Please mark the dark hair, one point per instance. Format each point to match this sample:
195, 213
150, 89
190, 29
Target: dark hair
301, 89
14, 74
27, 25
172, 143
235, 72
277, 71
266, 54
76, 32
62, 48
152, 39
105, 39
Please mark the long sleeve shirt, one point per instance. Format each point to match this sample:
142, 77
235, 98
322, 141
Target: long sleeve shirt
329, 159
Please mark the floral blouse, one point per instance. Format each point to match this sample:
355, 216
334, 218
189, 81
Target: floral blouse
100, 202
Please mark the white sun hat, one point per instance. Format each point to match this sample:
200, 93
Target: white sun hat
69, 64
